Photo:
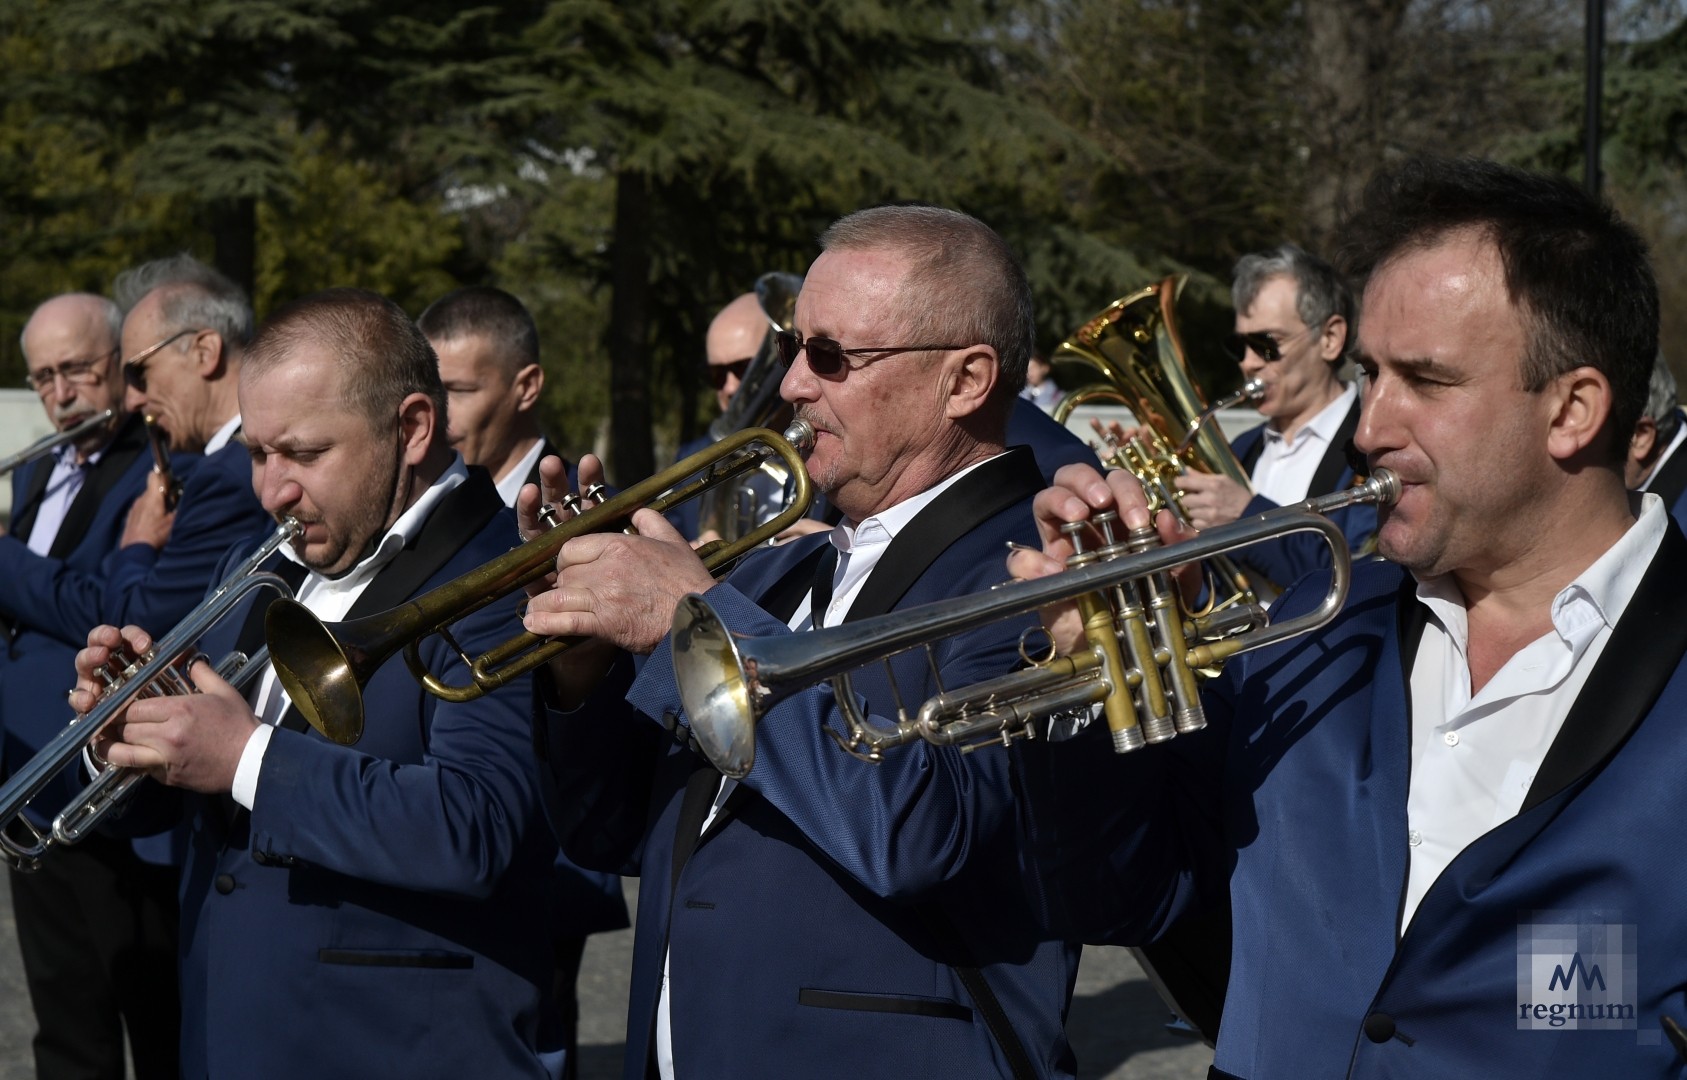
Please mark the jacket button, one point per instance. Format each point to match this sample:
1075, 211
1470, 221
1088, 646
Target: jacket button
261, 858
1379, 1027
225, 885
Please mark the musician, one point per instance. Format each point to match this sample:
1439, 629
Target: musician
368, 910
1653, 461
1293, 318
185, 329
1424, 809
825, 917
488, 347
96, 927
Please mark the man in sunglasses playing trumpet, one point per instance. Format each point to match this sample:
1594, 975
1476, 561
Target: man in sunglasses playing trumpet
1294, 316
368, 910
827, 917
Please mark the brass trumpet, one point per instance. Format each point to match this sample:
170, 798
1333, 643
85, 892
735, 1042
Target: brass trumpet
160, 447
162, 669
324, 667
1141, 666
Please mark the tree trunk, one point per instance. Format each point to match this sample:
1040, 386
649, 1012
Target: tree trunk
234, 231
631, 455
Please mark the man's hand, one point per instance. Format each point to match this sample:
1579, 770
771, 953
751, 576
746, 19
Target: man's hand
191, 741
1078, 493
1212, 499
619, 587
149, 522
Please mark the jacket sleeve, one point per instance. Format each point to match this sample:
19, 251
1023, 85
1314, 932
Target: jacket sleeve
1287, 559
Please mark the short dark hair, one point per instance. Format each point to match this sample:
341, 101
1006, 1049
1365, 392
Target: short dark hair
383, 356
197, 296
965, 284
1320, 290
488, 312
1577, 273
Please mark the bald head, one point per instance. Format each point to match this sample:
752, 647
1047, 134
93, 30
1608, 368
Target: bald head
70, 348
734, 337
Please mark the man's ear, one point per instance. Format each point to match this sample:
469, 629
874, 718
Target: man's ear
526, 387
972, 377
209, 354
417, 419
1580, 402
1333, 339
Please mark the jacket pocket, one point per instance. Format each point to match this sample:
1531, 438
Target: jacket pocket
941, 1008
395, 958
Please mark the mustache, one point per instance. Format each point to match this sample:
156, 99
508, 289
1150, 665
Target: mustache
809, 415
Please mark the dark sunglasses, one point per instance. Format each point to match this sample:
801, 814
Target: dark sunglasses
719, 372
826, 357
134, 368
1264, 346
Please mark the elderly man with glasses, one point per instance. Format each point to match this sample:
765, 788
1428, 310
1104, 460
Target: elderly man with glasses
1294, 315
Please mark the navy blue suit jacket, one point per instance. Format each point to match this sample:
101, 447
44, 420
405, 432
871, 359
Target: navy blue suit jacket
381, 911
814, 927
1285, 561
1293, 802
1670, 483
1053, 444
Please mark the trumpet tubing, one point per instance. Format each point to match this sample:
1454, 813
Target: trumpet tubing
1141, 664
48, 443
324, 667
162, 669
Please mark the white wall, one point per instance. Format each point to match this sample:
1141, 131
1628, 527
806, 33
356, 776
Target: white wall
22, 421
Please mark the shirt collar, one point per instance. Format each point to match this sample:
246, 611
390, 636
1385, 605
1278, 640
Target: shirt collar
514, 480
1674, 445
1597, 597
223, 435
882, 527
1325, 424
403, 531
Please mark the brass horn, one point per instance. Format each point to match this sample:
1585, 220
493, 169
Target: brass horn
1141, 665
46, 444
324, 666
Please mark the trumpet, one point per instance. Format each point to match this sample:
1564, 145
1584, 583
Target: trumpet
46, 444
161, 669
161, 462
324, 667
1141, 665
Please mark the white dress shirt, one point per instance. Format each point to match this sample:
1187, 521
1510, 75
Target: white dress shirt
1658, 466
859, 549
223, 435
329, 599
510, 486
1285, 468
64, 483
1474, 757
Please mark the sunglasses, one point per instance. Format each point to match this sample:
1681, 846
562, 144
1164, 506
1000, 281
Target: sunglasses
736, 369
1263, 345
826, 357
134, 368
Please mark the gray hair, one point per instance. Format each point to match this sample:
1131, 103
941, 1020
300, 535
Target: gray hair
1661, 400
113, 321
197, 296
1320, 291
965, 284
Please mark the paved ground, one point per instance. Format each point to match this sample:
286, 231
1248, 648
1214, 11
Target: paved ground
1116, 1023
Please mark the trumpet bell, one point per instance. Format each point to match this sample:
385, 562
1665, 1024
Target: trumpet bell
323, 676
715, 686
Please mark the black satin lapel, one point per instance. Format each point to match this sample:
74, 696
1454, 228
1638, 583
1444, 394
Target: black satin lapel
969, 502
30, 501
782, 598
1643, 652
462, 513
118, 457
1671, 480
1334, 463
1250, 457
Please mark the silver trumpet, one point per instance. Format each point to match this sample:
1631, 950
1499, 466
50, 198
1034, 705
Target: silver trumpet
46, 444
1141, 666
161, 669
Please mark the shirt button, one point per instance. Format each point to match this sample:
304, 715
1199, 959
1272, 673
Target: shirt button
1451, 738
1414, 838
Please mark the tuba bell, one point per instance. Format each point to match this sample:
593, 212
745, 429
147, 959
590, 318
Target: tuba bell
732, 509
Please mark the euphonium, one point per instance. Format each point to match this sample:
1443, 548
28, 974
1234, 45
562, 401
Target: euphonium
50, 442
1141, 666
1135, 346
730, 510
162, 669
323, 667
